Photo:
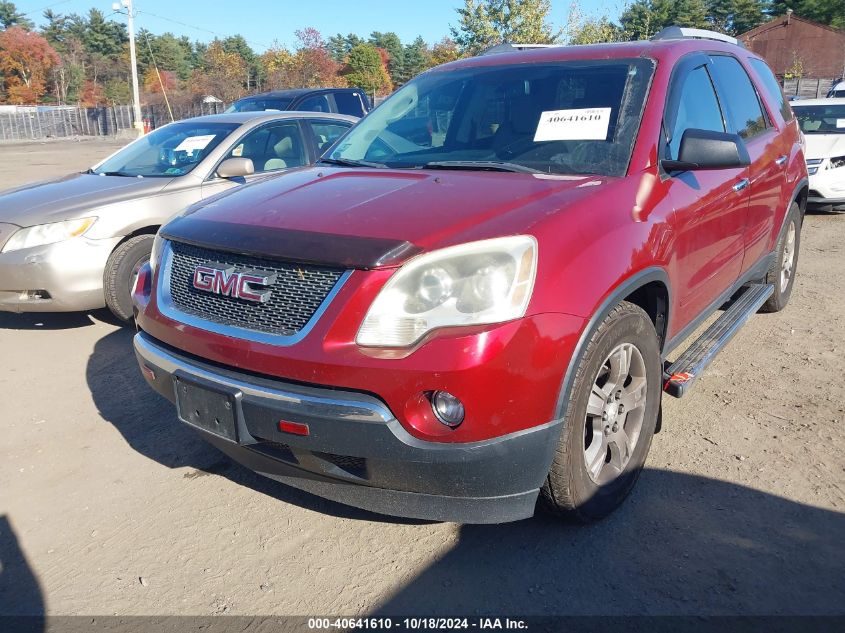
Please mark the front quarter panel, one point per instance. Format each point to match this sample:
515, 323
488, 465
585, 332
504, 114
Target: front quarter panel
127, 217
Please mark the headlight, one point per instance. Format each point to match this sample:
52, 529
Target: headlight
836, 163
48, 234
471, 284
155, 254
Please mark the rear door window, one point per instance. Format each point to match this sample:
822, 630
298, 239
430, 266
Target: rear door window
326, 133
349, 103
772, 87
742, 106
698, 108
319, 103
272, 147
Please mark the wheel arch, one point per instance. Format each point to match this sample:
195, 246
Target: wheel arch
144, 230
649, 289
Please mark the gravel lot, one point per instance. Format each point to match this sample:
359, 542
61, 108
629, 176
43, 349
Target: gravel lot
109, 506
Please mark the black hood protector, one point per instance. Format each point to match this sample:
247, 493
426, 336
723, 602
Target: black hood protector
324, 249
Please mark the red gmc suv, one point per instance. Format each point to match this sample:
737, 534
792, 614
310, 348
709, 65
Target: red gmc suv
470, 303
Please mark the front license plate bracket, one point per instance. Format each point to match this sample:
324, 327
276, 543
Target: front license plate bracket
207, 407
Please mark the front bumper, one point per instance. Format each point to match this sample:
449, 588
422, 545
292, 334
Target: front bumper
357, 453
71, 272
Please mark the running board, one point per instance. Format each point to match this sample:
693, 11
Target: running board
679, 377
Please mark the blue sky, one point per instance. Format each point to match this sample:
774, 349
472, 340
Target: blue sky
262, 22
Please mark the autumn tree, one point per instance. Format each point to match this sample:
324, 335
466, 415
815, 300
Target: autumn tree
485, 23
365, 69
26, 59
391, 43
313, 65
278, 66
445, 51
10, 16
221, 75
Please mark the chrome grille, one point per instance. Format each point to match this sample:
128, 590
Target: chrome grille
297, 293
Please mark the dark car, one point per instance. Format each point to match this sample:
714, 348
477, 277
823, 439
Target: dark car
351, 101
478, 297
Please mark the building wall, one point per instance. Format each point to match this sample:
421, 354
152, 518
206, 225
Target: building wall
779, 42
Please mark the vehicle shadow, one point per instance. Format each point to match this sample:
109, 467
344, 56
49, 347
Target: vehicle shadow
149, 425
20, 591
680, 545
55, 320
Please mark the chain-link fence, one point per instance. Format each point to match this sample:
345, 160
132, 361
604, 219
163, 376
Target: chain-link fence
23, 123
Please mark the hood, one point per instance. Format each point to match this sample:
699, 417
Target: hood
71, 196
824, 145
365, 218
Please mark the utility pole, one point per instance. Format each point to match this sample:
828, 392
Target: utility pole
133, 60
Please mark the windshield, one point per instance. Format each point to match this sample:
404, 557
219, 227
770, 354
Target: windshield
172, 150
563, 118
820, 119
259, 105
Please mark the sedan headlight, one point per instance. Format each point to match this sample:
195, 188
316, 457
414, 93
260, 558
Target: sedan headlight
155, 254
48, 234
471, 284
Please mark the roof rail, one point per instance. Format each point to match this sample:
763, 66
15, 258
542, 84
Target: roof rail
682, 32
507, 47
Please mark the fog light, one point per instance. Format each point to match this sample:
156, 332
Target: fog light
34, 295
448, 409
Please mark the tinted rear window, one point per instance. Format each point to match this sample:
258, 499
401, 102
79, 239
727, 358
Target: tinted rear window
772, 87
349, 103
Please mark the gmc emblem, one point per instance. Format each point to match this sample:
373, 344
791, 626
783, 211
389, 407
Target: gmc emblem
223, 280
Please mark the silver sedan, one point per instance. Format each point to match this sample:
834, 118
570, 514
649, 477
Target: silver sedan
76, 243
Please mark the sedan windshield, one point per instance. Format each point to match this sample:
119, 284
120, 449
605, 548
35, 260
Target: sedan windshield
574, 117
820, 119
259, 105
172, 150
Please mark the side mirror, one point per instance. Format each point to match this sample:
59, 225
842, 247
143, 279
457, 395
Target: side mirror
236, 168
703, 149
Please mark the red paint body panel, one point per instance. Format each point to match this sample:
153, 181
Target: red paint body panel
594, 233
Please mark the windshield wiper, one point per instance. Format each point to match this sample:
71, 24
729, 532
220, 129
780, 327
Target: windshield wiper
481, 165
115, 173
345, 162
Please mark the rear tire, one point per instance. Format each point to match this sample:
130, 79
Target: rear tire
602, 448
121, 271
781, 273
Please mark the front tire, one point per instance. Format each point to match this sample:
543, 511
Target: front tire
610, 418
121, 271
781, 273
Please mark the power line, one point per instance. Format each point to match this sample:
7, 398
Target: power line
197, 28
49, 6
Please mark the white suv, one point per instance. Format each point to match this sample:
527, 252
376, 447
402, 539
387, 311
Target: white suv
823, 124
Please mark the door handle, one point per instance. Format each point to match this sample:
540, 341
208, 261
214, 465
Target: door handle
780, 160
742, 184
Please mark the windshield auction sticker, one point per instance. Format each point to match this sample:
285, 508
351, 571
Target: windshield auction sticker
194, 143
586, 124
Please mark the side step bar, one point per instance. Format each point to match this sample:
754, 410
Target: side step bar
679, 377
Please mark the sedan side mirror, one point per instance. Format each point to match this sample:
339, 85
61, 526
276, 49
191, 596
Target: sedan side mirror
704, 149
236, 168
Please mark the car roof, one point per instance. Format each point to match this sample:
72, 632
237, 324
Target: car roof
262, 117
814, 102
664, 49
294, 92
